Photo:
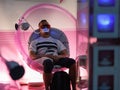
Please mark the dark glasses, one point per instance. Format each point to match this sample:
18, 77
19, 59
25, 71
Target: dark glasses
45, 26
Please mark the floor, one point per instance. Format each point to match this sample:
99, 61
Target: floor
30, 86
41, 88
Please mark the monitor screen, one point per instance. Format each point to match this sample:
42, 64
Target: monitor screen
106, 3
106, 58
105, 23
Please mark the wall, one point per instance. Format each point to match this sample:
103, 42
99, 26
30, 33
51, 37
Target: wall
12, 10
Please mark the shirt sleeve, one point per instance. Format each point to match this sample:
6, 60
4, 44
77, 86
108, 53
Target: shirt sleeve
32, 46
60, 46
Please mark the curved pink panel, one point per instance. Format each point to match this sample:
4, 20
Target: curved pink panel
29, 11
52, 6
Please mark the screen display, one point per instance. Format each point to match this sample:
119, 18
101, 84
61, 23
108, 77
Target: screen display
106, 58
105, 22
106, 82
106, 3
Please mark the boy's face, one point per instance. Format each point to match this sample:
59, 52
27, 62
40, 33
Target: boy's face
44, 28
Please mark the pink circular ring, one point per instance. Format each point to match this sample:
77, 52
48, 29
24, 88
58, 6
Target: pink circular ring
43, 5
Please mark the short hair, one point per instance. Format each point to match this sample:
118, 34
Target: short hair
42, 21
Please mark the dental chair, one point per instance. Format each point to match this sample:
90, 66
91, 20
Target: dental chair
57, 71
55, 33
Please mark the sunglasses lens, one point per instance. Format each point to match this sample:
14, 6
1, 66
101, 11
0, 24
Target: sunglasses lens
45, 26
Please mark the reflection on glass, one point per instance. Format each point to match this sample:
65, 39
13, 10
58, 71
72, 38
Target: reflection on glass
105, 62
106, 58
104, 86
105, 82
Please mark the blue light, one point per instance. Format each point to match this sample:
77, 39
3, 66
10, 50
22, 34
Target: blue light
105, 22
106, 2
91, 24
83, 18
